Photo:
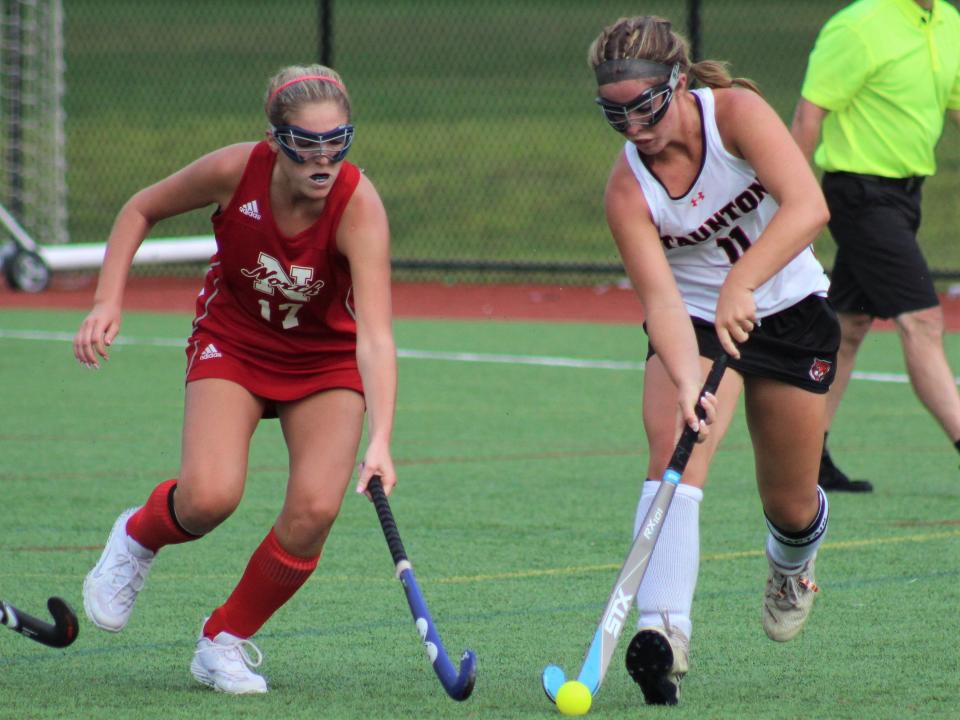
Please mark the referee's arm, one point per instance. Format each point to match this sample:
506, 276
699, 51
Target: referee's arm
807, 121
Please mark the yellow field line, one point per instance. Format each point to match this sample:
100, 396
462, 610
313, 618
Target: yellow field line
578, 569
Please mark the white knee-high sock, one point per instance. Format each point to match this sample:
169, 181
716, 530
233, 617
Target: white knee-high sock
790, 550
672, 573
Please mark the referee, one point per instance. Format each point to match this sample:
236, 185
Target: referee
879, 80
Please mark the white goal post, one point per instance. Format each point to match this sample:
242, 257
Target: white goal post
33, 186
33, 162
85, 256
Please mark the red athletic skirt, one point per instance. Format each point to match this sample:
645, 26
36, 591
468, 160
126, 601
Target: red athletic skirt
275, 382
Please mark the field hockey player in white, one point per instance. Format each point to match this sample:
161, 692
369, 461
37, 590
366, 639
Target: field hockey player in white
714, 208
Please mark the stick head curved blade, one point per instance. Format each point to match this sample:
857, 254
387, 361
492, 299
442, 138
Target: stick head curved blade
553, 677
65, 619
467, 678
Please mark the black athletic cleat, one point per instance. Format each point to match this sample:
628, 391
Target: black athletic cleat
833, 479
657, 661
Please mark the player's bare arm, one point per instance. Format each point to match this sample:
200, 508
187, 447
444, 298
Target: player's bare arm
752, 130
364, 238
668, 323
206, 181
209, 180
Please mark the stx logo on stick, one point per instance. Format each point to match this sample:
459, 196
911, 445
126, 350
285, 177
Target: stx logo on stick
613, 622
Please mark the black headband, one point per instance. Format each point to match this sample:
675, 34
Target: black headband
611, 71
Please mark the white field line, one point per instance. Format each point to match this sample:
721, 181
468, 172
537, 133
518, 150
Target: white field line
467, 357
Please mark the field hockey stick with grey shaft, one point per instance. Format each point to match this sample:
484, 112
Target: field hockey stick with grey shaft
458, 685
61, 633
614, 616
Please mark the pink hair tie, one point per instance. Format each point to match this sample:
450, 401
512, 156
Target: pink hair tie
288, 83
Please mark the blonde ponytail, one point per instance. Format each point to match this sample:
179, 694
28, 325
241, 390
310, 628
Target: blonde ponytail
715, 74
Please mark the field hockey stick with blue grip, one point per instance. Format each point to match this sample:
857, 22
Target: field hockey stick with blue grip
625, 588
61, 633
458, 685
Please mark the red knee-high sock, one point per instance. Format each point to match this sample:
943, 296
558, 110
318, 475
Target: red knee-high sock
154, 525
272, 577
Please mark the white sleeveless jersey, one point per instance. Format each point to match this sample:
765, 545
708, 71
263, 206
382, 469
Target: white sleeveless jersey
708, 228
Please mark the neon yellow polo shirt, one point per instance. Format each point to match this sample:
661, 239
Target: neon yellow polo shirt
886, 70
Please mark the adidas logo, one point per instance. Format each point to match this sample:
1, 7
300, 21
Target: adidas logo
250, 209
210, 351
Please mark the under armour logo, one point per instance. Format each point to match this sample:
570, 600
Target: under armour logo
696, 201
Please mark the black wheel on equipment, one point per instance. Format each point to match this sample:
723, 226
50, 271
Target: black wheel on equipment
27, 271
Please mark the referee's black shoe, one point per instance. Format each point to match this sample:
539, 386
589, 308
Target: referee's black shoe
833, 479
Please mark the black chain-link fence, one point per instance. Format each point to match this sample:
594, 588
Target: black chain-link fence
475, 118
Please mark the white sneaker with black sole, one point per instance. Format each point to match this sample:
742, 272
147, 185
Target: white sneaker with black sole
657, 660
111, 588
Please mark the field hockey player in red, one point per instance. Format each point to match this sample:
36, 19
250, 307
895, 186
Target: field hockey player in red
293, 322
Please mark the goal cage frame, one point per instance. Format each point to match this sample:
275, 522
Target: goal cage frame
33, 189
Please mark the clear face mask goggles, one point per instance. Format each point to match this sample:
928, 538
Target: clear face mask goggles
301, 145
646, 109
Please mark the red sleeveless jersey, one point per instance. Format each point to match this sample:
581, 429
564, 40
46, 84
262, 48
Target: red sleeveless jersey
276, 304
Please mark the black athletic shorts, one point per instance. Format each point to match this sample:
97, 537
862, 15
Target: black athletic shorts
879, 269
797, 346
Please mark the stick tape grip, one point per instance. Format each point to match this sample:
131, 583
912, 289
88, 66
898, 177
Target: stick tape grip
387, 522
688, 438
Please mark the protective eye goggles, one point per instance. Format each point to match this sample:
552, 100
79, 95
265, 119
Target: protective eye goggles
301, 145
646, 109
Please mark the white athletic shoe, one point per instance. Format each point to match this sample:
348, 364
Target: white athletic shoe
224, 664
111, 588
787, 601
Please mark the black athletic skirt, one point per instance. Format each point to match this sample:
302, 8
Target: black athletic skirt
797, 346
